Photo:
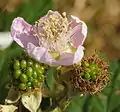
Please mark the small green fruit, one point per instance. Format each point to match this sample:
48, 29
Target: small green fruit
38, 85
23, 78
34, 74
17, 73
42, 68
23, 64
29, 88
30, 79
35, 83
22, 86
29, 71
30, 63
87, 76
87, 64
93, 67
36, 66
29, 84
40, 72
93, 77
16, 65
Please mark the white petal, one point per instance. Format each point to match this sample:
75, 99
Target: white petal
5, 40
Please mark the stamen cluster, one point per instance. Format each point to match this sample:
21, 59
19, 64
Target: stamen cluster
53, 32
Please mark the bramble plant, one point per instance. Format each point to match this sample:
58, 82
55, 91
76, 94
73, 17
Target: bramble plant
53, 66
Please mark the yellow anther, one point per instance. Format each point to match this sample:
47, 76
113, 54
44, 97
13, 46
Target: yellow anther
55, 31
64, 14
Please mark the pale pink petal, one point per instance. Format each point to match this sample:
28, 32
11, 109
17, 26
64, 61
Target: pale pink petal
50, 12
70, 58
21, 32
42, 55
78, 32
39, 53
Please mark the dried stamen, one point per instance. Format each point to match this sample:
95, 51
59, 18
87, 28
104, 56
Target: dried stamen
91, 76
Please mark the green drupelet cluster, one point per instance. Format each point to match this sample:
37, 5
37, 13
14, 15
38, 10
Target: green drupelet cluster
28, 74
91, 71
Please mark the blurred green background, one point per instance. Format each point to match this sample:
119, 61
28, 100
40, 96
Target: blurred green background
103, 23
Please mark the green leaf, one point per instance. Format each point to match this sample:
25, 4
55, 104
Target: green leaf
13, 96
113, 66
98, 104
56, 110
50, 77
76, 104
114, 102
3, 74
114, 82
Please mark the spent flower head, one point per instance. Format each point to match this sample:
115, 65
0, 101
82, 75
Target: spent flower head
54, 39
91, 75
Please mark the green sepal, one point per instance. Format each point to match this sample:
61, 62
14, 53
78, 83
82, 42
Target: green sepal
55, 55
13, 96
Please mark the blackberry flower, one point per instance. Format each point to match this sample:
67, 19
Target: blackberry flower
54, 39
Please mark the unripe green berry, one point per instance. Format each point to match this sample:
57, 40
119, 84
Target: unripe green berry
36, 66
41, 78
42, 68
29, 88
87, 76
16, 65
23, 64
34, 74
93, 73
92, 67
22, 86
38, 85
23, 78
89, 70
93, 77
86, 64
29, 71
35, 83
29, 84
30, 79
30, 63
40, 72
81, 74
97, 70
17, 73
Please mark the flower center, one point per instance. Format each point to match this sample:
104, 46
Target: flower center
53, 31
